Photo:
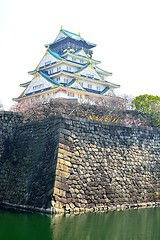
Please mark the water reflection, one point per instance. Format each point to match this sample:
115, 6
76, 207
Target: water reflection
23, 226
141, 224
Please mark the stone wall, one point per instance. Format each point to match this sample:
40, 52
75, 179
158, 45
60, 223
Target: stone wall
103, 166
8, 122
62, 164
28, 163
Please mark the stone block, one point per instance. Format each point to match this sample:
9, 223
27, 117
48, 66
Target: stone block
64, 152
65, 174
56, 191
59, 205
71, 205
62, 193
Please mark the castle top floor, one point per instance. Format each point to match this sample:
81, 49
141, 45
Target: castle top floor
69, 40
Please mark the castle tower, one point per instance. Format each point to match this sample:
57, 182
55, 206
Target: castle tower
67, 70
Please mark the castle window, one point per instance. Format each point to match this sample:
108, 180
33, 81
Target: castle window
37, 87
69, 69
66, 80
81, 83
70, 94
98, 88
90, 75
58, 69
50, 71
73, 59
90, 86
81, 61
58, 79
47, 63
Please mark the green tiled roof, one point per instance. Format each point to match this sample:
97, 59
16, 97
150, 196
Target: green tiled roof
54, 54
103, 70
87, 64
25, 84
49, 79
71, 82
104, 90
71, 34
77, 83
75, 36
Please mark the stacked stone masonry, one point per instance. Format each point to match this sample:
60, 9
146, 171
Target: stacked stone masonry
67, 165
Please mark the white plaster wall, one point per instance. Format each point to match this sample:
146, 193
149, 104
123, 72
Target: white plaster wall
60, 35
61, 94
65, 77
62, 67
81, 96
94, 85
91, 72
69, 57
77, 59
73, 68
104, 77
82, 53
47, 58
37, 81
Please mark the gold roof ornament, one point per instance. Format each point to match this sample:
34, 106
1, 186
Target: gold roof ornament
36, 75
37, 68
90, 66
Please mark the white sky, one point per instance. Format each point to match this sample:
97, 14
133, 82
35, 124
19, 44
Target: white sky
126, 32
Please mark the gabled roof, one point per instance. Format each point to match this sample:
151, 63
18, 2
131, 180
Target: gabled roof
73, 54
55, 57
104, 90
71, 34
39, 74
67, 34
81, 53
91, 71
103, 71
25, 84
75, 84
113, 85
54, 54
54, 82
80, 70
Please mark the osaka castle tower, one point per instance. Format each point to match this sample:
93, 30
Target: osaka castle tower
67, 70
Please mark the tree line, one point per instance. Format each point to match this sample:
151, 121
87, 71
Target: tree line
144, 110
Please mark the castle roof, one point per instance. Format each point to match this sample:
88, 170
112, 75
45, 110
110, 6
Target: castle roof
54, 54
64, 34
68, 66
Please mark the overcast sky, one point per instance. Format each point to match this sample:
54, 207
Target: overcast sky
127, 34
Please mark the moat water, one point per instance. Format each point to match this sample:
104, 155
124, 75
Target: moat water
142, 224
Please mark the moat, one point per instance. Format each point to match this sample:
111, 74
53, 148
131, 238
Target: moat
141, 224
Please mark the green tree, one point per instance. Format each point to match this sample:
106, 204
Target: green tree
148, 107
